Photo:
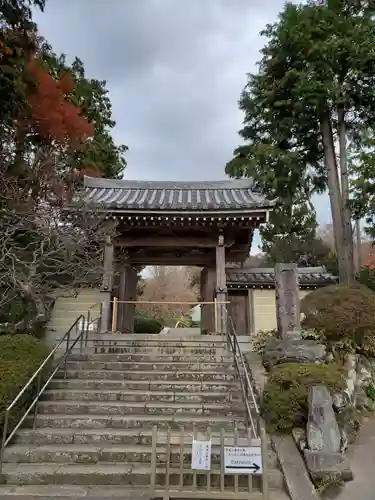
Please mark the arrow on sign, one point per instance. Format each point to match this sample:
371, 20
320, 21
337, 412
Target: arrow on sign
254, 467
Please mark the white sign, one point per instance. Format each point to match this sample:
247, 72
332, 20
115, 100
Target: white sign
201, 455
243, 460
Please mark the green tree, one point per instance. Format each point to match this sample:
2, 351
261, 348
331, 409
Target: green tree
362, 166
17, 42
100, 155
17, 13
315, 86
290, 236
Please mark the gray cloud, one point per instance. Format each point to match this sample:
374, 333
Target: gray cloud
175, 70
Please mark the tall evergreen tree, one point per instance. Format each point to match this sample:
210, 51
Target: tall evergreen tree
290, 236
315, 86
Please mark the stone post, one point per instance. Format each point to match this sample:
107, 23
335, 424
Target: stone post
287, 301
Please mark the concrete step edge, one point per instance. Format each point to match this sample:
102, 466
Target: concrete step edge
135, 404
151, 383
139, 417
137, 391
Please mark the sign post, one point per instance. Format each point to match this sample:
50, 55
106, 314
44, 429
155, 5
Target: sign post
201, 455
243, 460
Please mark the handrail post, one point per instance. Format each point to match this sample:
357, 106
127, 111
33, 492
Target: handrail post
87, 327
82, 330
67, 341
67, 349
38, 383
263, 444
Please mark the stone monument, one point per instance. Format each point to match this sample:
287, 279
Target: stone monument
287, 301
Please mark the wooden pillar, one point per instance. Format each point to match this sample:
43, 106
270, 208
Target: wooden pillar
127, 292
208, 284
130, 280
287, 301
121, 298
221, 286
107, 286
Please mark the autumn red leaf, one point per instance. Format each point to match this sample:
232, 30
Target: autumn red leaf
52, 114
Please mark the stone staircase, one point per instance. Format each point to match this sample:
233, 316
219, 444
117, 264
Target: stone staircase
95, 427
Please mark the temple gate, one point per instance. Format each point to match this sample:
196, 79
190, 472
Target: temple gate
203, 224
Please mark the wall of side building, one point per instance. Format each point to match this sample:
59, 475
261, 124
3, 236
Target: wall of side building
67, 309
265, 308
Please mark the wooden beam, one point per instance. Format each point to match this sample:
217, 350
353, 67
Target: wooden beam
170, 242
183, 260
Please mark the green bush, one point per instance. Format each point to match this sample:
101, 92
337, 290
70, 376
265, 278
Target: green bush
344, 316
20, 357
147, 325
285, 394
262, 339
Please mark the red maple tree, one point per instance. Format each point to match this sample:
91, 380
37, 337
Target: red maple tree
52, 114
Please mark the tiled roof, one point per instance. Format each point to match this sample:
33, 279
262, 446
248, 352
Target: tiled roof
230, 195
307, 276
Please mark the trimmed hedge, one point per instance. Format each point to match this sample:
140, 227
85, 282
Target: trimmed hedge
344, 317
20, 357
147, 325
286, 392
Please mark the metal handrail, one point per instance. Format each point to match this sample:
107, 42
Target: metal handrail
243, 376
89, 312
38, 377
89, 322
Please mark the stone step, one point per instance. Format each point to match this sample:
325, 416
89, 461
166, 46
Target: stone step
76, 492
107, 437
149, 358
171, 350
136, 395
92, 454
137, 422
121, 474
180, 366
137, 407
121, 340
145, 375
139, 338
145, 385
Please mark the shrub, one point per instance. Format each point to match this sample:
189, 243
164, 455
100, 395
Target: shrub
262, 339
366, 276
344, 316
147, 325
285, 394
20, 357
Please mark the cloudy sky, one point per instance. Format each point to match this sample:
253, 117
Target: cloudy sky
174, 69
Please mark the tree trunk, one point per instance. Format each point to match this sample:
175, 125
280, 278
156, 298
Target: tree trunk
334, 196
346, 216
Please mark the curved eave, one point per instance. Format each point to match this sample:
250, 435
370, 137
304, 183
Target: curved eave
229, 197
